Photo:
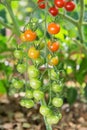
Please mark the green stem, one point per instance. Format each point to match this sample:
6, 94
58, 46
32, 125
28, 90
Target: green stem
5, 25
48, 127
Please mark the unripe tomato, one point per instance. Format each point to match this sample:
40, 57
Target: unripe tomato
52, 119
38, 95
70, 6
33, 72
59, 3
39, 61
22, 37
18, 54
35, 83
53, 11
53, 28
41, 4
30, 35
45, 111
56, 88
21, 68
53, 46
53, 74
54, 61
27, 103
17, 83
60, 115
33, 53
57, 102
29, 94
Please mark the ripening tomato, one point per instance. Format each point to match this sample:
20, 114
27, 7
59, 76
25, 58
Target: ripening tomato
54, 61
53, 46
35, 83
70, 6
22, 37
52, 119
30, 35
41, 4
59, 3
57, 102
33, 72
33, 53
53, 11
53, 28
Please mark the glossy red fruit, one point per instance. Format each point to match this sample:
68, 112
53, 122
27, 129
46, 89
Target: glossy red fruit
53, 28
53, 46
41, 4
53, 11
59, 3
70, 6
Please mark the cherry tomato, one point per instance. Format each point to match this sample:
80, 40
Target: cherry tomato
53, 11
39, 61
38, 95
53, 46
59, 3
35, 83
57, 102
53, 74
33, 72
70, 6
30, 35
60, 115
27, 103
52, 119
45, 111
21, 68
29, 94
22, 37
18, 54
53, 28
56, 87
41, 4
33, 53
17, 83
54, 61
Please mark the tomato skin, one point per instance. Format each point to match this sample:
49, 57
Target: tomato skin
70, 6
39, 61
18, 54
45, 111
33, 53
59, 3
56, 88
57, 102
54, 61
33, 72
22, 37
27, 103
53, 46
35, 83
41, 4
29, 94
21, 68
53, 74
53, 28
52, 119
17, 83
53, 11
38, 95
30, 35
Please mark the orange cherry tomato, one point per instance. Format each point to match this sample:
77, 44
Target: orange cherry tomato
22, 37
54, 61
30, 35
33, 53
53, 46
53, 28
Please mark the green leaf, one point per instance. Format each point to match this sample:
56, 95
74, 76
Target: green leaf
2, 87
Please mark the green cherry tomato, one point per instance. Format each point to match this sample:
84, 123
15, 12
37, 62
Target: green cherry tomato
27, 103
35, 83
39, 61
53, 74
60, 115
38, 95
18, 54
29, 94
45, 111
57, 102
52, 119
33, 72
56, 87
17, 83
21, 68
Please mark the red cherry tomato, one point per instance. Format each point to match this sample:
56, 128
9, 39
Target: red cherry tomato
70, 6
53, 11
30, 35
53, 46
53, 28
41, 4
59, 3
